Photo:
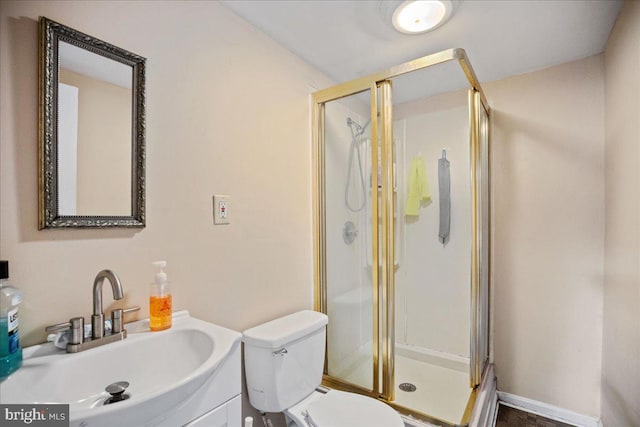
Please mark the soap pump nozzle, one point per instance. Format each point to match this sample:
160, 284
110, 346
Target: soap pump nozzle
161, 277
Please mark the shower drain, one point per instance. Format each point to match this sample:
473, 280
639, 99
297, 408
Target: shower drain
407, 387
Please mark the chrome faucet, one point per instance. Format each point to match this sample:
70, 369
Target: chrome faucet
75, 325
97, 319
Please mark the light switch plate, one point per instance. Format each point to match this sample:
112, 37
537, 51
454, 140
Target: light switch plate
221, 209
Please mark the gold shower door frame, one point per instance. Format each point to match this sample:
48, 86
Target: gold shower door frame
382, 242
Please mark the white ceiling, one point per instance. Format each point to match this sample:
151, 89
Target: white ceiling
350, 39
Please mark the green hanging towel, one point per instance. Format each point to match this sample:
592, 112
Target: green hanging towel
418, 187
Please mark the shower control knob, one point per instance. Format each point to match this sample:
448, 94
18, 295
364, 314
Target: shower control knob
349, 232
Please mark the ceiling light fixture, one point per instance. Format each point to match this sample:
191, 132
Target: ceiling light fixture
420, 16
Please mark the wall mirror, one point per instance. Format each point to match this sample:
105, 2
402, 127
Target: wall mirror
92, 132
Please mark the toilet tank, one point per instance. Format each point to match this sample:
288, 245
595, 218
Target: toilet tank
284, 359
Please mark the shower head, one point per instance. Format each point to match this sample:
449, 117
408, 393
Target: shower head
359, 130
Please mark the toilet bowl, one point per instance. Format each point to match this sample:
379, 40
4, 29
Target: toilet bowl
284, 360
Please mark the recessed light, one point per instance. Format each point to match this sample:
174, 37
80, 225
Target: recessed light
420, 16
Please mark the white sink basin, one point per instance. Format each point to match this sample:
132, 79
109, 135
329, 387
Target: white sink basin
164, 369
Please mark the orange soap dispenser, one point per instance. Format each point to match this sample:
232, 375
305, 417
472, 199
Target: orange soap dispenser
160, 300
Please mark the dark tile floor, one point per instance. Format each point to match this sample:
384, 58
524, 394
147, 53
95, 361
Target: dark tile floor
510, 417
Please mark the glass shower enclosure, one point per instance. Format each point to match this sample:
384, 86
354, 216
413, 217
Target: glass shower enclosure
401, 217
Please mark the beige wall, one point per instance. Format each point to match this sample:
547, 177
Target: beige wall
621, 335
227, 112
548, 213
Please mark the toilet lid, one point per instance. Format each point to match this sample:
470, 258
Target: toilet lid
341, 409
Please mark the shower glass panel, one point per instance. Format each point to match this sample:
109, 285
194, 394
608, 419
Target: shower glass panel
433, 214
350, 299
481, 309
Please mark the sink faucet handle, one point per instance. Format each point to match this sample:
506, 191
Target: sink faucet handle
58, 327
116, 318
131, 309
75, 325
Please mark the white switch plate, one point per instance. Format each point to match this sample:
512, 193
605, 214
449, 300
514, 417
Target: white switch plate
221, 209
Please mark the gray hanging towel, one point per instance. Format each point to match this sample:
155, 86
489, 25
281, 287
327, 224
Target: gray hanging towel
444, 186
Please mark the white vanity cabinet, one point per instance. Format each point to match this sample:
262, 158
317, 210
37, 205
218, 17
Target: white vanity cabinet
217, 403
227, 415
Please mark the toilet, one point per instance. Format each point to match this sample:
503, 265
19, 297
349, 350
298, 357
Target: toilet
284, 360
